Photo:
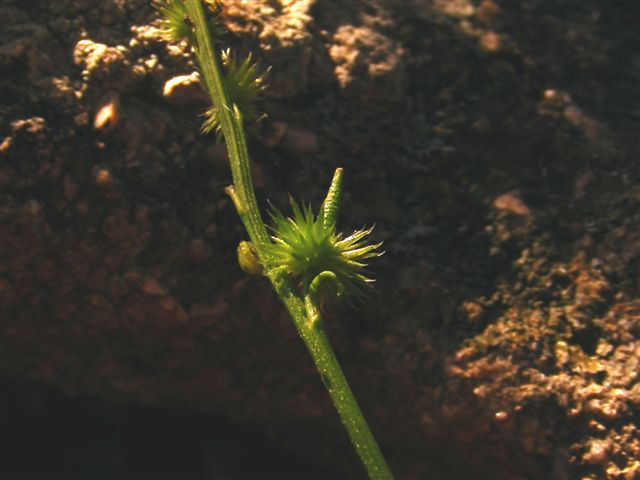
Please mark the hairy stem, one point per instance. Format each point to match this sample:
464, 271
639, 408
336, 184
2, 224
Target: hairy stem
311, 329
231, 121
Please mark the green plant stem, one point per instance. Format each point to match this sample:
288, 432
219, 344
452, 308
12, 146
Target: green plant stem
308, 323
231, 122
311, 329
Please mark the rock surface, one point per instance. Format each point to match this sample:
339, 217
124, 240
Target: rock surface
493, 144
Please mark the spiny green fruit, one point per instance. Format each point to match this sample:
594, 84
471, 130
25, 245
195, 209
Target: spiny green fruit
305, 246
175, 22
243, 82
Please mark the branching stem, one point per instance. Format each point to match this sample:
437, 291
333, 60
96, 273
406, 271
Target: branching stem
231, 121
304, 311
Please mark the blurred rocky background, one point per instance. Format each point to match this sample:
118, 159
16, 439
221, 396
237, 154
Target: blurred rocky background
495, 146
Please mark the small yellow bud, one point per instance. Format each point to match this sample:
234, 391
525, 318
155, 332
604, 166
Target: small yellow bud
248, 258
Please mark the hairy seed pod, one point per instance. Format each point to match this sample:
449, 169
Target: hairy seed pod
331, 204
248, 258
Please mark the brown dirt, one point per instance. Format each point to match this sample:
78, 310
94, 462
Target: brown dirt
493, 143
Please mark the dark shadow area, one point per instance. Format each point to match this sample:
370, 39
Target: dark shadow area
46, 435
